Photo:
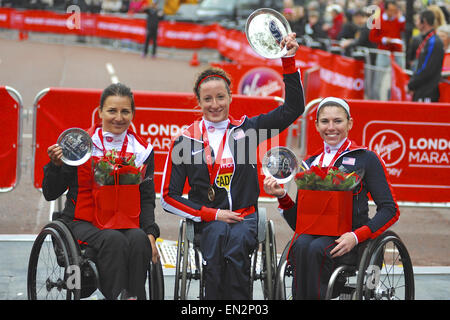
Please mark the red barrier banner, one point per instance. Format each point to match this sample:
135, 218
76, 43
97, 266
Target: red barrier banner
10, 141
446, 62
188, 35
159, 117
119, 28
5, 17
341, 76
399, 83
255, 80
307, 57
413, 139
444, 91
312, 83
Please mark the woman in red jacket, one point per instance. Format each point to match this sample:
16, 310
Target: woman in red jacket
113, 216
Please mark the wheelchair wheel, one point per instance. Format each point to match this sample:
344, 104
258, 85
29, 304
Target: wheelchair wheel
54, 265
268, 261
283, 277
155, 281
188, 264
385, 270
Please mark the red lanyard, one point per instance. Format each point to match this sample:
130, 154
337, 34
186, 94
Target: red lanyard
344, 146
422, 44
213, 168
124, 145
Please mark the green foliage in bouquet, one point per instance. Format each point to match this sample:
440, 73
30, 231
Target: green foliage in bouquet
331, 179
112, 165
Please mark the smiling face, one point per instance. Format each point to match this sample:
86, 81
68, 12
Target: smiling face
116, 114
214, 100
333, 124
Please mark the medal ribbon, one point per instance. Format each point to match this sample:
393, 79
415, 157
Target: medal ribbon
422, 44
344, 146
213, 168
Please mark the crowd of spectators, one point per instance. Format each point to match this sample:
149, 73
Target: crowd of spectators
351, 23
384, 27
341, 25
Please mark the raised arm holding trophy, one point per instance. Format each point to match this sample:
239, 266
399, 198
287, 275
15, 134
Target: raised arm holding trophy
213, 155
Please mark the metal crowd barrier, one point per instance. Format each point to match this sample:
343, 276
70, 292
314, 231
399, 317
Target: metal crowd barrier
17, 144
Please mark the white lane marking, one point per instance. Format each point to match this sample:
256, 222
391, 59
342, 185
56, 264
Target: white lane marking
112, 72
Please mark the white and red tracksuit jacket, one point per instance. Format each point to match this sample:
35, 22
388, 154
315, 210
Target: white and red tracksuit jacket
78, 181
185, 161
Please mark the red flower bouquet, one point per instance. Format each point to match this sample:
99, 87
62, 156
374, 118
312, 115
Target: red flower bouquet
112, 169
326, 179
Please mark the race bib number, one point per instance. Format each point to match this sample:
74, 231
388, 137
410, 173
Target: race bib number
225, 174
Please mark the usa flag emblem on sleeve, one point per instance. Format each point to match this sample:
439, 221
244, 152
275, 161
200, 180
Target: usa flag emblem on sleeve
349, 161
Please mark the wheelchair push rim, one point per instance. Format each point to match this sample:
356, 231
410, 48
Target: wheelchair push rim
387, 272
53, 266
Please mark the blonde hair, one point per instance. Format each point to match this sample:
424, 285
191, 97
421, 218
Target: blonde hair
439, 17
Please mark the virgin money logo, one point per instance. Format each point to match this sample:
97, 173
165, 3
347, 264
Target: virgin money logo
390, 145
262, 82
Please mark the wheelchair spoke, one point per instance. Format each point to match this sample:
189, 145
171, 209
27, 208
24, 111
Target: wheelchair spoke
51, 283
392, 278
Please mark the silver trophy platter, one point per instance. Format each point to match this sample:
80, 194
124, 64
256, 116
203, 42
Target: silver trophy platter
265, 28
281, 164
76, 146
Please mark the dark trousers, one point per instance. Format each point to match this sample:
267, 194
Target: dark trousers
226, 250
431, 97
152, 34
122, 258
313, 265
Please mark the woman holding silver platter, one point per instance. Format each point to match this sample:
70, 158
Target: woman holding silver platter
315, 255
213, 155
110, 197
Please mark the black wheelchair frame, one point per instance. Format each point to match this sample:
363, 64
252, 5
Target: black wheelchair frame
384, 271
189, 259
61, 269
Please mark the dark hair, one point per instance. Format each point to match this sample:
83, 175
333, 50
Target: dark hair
117, 89
388, 2
360, 13
211, 74
428, 16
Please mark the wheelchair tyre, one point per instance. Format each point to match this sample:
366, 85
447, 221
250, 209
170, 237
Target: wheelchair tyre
155, 281
269, 261
176, 294
385, 270
54, 265
283, 277
184, 272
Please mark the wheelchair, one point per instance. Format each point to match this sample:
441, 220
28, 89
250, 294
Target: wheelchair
188, 267
383, 272
61, 269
